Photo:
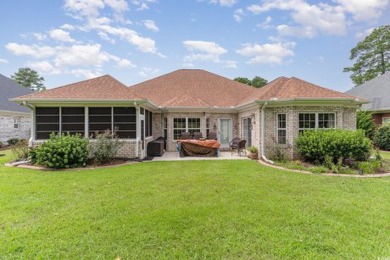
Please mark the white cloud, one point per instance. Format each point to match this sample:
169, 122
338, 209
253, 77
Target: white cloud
44, 67
67, 27
105, 37
142, 4
3, 61
86, 8
269, 53
364, 34
85, 73
118, 6
266, 23
330, 18
364, 10
224, 2
81, 55
203, 51
150, 25
34, 50
238, 14
61, 35
142, 43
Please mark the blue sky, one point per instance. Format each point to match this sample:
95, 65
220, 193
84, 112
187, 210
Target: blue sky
135, 40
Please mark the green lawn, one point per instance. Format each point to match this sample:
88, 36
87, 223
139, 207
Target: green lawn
191, 209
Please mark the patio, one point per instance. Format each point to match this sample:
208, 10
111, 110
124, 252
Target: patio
222, 155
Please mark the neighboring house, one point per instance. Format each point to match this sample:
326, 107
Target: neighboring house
15, 120
194, 101
377, 91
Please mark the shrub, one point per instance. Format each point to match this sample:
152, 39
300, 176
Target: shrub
1, 144
364, 122
252, 149
20, 150
370, 166
13, 141
105, 147
62, 151
382, 137
314, 146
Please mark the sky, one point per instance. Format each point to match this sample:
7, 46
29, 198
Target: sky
136, 40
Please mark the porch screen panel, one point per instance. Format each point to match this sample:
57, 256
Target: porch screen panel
148, 123
193, 125
100, 119
179, 126
72, 120
47, 121
125, 122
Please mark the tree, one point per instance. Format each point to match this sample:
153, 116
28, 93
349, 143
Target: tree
244, 80
259, 82
256, 82
365, 122
372, 56
29, 78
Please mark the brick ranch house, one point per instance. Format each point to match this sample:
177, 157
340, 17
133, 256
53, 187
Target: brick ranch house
194, 101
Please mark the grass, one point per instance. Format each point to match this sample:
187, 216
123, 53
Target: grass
191, 209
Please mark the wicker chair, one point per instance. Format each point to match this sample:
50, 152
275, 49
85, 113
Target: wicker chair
212, 136
239, 147
234, 142
185, 135
198, 135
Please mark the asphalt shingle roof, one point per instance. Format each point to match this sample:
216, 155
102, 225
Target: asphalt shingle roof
376, 90
188, 88
11, 89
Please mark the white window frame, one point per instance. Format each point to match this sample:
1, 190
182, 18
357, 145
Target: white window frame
281, 128
385, 120
316, 120
186, 129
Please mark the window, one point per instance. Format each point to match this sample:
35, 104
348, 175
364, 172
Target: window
166, 128
72, 120
185, 124
47, 121
17, 123
282, 129
207, 128
385, 120
316, 120
125, 122
247, 130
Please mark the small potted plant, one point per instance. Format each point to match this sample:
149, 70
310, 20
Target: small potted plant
252, 152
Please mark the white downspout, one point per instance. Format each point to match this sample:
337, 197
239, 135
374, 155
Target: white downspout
138, 129
263, 135
32, 129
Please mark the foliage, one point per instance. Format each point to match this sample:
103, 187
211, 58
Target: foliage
224, 209
13, 141
372, 56
29, 78
256, 82
1, 144
370, 167
382, 137
105, 147
252, 149
314, 146
20, 150
334, 167
365, 122
62, 151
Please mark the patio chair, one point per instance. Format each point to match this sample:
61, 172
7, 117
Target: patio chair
239, 147
198, 135
234, 142
212, 136
185, 135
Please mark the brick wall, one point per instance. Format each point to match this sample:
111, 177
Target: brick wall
345, 118
254, 114
379, 117
8, 131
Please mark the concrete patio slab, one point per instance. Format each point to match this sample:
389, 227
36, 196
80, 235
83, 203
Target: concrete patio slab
174, 156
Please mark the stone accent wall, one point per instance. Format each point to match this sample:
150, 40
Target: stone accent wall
8, 131
345, 118
172, 144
